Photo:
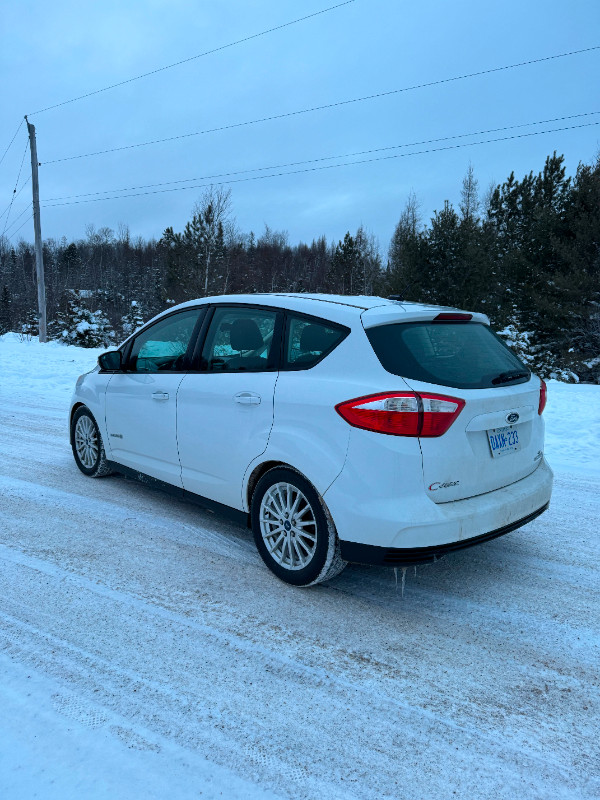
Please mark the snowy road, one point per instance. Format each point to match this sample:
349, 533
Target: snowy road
145, 650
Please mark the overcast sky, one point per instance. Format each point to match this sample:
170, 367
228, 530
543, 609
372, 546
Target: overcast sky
51, 52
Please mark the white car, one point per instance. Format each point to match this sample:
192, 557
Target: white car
339, 428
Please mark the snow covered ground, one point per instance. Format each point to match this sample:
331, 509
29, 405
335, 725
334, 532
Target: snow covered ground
145, 651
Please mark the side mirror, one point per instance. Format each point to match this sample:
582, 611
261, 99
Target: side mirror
111, 361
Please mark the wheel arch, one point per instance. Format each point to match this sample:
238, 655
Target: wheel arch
76, 406
74, 409
261, 469
332, 564
257, 473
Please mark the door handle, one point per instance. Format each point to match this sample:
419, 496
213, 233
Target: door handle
160, 395
247, 398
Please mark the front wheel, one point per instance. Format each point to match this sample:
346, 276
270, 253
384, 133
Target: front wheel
293, 534
86, 442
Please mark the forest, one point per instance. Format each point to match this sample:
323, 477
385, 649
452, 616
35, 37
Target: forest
527, 254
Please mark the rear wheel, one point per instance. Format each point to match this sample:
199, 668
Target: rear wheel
87, 446
292, 531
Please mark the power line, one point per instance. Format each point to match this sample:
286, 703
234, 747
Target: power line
326, 106
14, 197
323, 158
19, 228
193, 58
5, 210
329, 166
16, 219
11, 141
12, 200
23, 185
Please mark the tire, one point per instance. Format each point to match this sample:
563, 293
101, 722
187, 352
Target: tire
87, 446
301, 548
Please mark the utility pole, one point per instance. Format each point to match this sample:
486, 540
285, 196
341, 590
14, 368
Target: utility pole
37, 228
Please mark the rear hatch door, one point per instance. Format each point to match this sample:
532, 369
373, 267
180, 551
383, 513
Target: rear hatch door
497, 438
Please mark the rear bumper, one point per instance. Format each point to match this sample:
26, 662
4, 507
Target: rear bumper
409, 521
412, 556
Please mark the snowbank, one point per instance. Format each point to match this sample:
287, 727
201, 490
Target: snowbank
573, 427
50, 368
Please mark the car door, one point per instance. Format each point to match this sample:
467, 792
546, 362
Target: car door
225, 410
141, 401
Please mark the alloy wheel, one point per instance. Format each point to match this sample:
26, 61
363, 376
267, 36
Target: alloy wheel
86, 442
288, 526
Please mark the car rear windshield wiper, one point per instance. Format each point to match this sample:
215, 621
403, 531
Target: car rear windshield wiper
506, 377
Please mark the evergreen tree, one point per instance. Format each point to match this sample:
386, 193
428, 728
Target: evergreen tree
528, 220
369, 262
80, 326
469, 197
133, 319
578, 283
30, 326
443, 262
404, 274
177, 282
6, 311
71, 263
344, 272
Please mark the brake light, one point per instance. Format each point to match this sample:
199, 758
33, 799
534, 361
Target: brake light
543, 396
452, 317
402, 413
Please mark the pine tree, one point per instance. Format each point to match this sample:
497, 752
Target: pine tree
6, 311
404, 274
133, 319
82, 327
469, 196
344, 271
474, 264
443, 263
369, 262
178, 266
30, 325
579, 281
538, 296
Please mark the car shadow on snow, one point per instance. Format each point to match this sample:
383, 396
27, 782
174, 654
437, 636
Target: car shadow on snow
477, 573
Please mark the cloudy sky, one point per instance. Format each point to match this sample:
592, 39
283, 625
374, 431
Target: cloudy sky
52, 52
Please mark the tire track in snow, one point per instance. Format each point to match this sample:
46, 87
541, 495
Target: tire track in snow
483, 680
286, 670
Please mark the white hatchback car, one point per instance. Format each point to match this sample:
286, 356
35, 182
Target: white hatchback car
339, 428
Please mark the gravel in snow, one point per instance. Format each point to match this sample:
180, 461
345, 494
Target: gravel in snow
145, 651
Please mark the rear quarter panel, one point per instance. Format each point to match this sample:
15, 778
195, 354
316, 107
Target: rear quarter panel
308, 433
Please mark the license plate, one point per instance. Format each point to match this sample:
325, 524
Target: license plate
503, 441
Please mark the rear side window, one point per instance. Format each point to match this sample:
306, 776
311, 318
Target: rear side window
461, 355
241, 339
308, 340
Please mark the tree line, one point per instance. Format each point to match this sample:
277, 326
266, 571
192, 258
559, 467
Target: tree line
527, 254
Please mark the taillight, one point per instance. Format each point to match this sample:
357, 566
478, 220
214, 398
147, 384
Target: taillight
452, 317
402, 413
543, 396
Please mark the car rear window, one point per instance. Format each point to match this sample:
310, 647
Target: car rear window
461, 355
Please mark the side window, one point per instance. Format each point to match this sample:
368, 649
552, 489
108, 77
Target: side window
163, 346
241, 340
308, 340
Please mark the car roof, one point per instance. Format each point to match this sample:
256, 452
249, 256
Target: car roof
278, 298
372, 309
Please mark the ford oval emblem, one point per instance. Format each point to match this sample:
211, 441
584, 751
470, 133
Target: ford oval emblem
512, 418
